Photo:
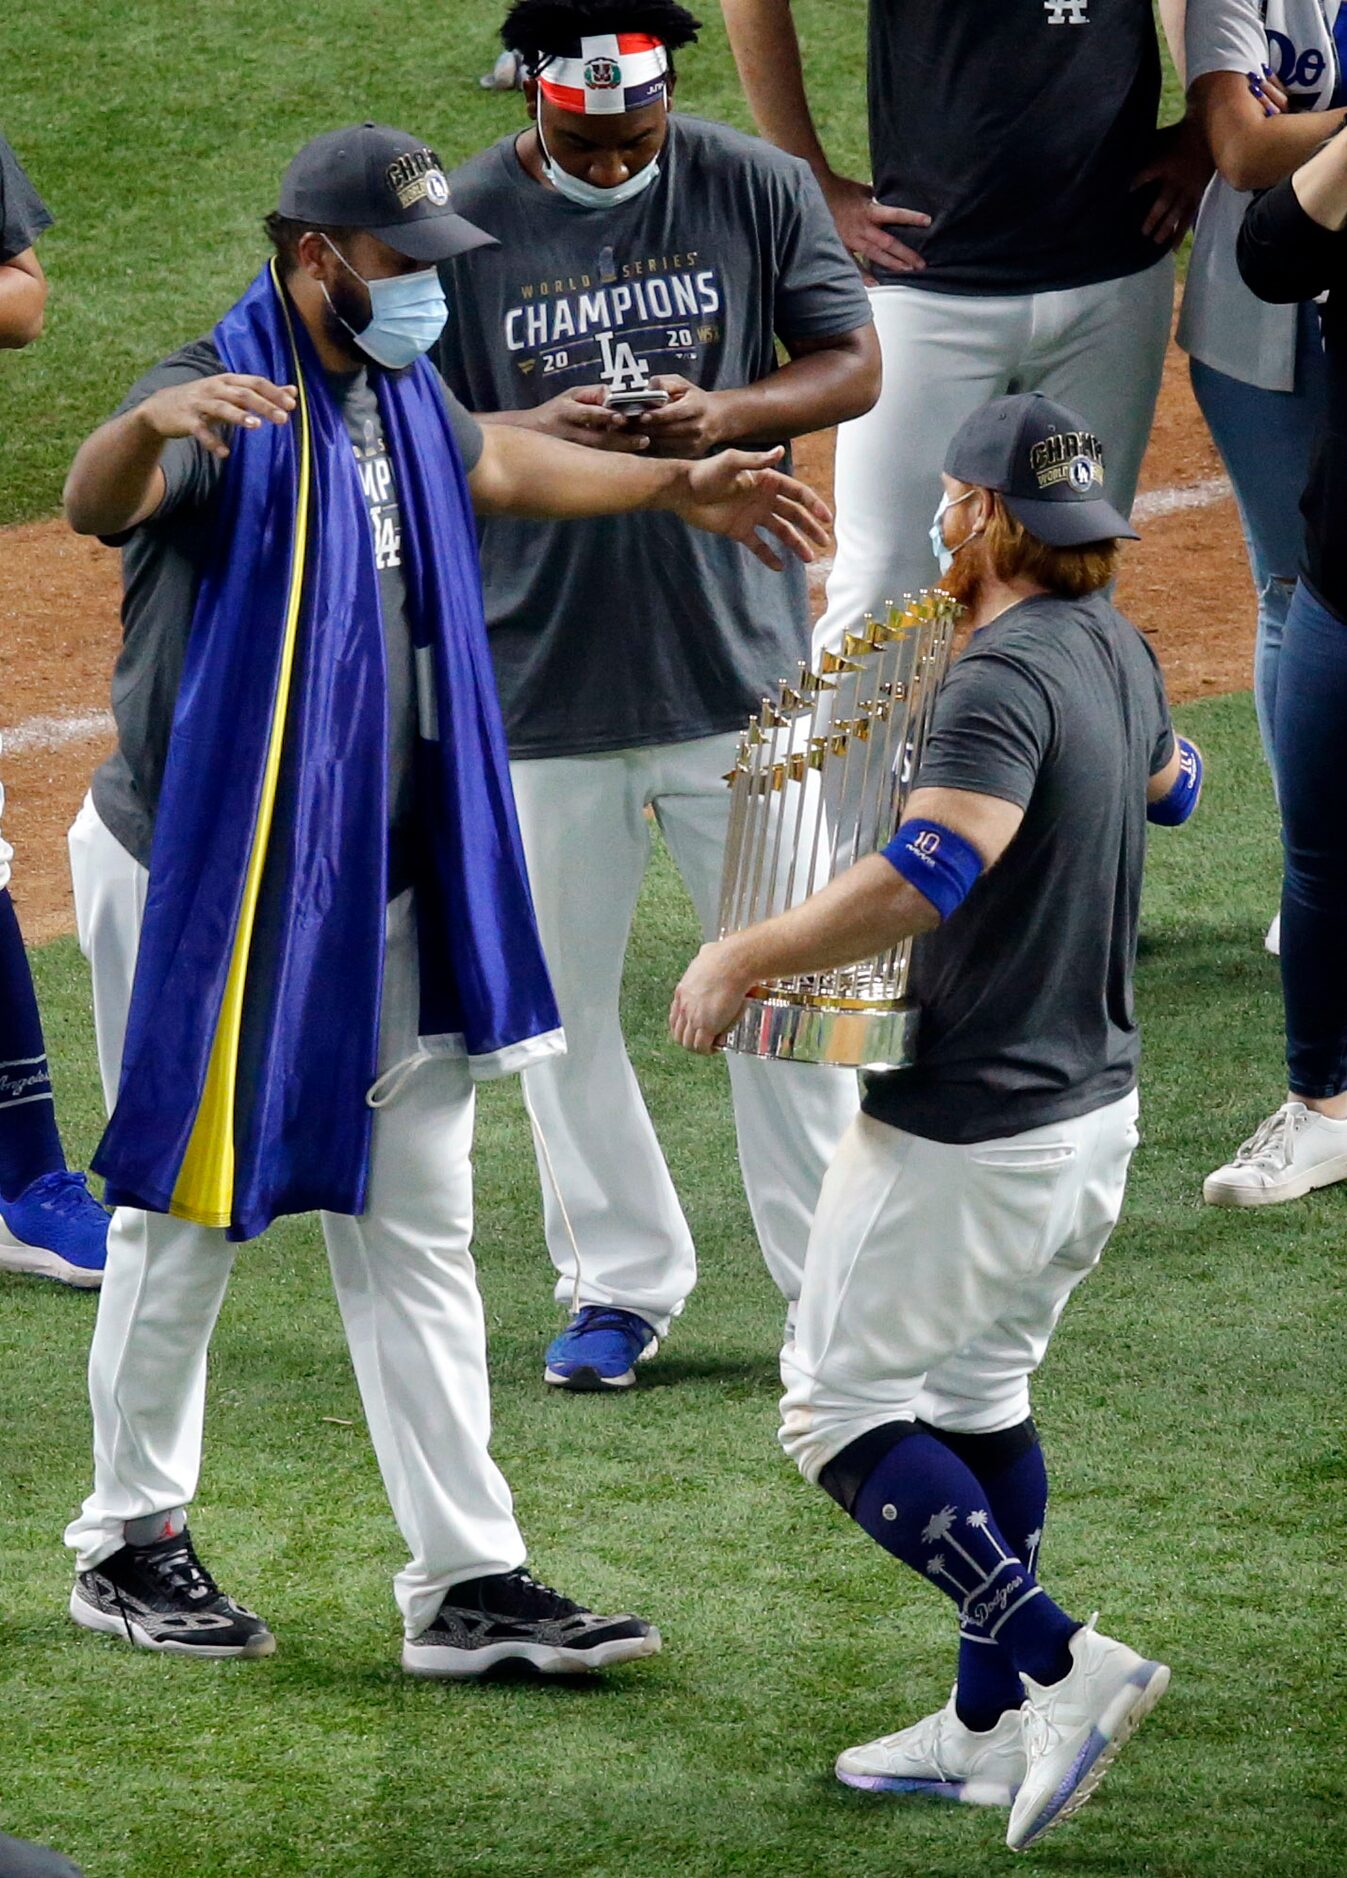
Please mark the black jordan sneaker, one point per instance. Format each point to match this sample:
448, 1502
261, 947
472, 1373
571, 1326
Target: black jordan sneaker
161, 1597
509, 1616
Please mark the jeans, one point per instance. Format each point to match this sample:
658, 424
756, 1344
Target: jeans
1311, 714
1265, 439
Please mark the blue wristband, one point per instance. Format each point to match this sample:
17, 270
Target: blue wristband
941, 865
1181, 800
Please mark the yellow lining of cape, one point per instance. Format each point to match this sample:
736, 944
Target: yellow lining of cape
204, 1190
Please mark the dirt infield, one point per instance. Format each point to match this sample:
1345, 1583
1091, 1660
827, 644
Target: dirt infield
1186, 583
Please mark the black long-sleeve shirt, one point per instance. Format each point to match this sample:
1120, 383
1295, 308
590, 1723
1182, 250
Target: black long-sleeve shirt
1285, 255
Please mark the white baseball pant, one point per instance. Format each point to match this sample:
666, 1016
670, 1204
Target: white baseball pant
937, 1273
403, 1274
587, 840
1099, 349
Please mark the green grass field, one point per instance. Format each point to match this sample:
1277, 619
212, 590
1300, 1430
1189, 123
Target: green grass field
1191, 1406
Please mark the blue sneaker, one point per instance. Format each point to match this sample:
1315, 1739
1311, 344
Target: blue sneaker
599, 1349
56, 1229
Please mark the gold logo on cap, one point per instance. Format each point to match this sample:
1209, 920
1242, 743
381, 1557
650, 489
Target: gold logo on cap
417, 176
1068, 456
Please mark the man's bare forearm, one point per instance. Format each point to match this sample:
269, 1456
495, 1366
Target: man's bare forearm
115, 480
526, 473
857, 916
811, 392
767, 53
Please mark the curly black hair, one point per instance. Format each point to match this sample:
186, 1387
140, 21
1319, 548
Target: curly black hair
544, 29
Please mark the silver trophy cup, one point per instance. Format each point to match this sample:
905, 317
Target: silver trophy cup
819, 780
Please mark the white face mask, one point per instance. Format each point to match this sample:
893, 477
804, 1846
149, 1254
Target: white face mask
589, 195
944, 554
407, 314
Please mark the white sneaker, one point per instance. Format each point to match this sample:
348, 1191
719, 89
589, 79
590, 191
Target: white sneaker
939, 1757
1075, 1727
1272, 938
1293, 1151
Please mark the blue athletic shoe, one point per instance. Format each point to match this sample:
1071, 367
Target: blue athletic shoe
599, 1349
56, 1229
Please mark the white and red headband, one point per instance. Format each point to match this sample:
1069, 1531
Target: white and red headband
613, 72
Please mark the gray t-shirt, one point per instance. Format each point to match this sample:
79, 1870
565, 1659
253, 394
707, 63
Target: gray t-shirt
23, 213
162, 561
638, 629
1026, 990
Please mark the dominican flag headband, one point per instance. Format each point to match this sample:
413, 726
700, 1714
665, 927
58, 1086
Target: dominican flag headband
613, 72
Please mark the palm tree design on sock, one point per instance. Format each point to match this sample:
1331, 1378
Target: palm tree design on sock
980, 1520
1032, 1541
937, 1567
939, 1530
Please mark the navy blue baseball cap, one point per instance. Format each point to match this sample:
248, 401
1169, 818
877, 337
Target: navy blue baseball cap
385, 182
1045, 463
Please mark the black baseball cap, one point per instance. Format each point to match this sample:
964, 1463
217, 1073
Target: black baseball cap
1046, 464
383, 181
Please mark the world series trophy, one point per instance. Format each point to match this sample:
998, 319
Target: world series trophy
819, 781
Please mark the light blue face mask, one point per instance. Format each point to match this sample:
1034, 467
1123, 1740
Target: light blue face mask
589, 195
407, 314
944, 554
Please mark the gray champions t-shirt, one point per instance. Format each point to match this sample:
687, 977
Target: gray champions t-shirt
23, 213
638, 629
162, 561
1026, 990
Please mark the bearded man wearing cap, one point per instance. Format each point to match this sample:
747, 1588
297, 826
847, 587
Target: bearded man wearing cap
300, 886
979, 1187
648, 263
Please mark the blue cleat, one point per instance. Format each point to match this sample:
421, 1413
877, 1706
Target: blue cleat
56, 1229
599, 1349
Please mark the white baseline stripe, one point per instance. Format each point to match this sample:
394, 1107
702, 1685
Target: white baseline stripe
50, 733
1156, 502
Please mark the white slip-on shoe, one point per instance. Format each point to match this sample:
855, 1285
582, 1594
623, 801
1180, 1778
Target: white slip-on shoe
1074, 1728
941, 1758
1295, 1150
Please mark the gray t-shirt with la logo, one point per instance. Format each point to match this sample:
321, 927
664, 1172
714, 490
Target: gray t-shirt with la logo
632, 630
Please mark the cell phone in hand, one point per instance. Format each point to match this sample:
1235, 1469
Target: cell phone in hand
642, 398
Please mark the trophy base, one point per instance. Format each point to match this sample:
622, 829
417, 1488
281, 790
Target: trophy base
856, 1036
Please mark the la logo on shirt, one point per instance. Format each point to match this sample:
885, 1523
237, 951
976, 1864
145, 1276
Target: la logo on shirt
619, 323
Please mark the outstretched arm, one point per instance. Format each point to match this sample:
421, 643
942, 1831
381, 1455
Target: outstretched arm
521, 472
116, 480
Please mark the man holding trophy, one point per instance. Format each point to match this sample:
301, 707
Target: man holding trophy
979, 1185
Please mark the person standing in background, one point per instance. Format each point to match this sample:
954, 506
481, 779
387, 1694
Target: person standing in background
1292, 248
50, 1223
1017, 237
647, 265
1265, 80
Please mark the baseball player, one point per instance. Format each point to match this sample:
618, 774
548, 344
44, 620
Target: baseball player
1018, 235
979, 1187
299, 885
648, 264
50, 1223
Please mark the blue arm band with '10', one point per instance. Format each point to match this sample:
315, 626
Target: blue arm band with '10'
1181, 800
941, 865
